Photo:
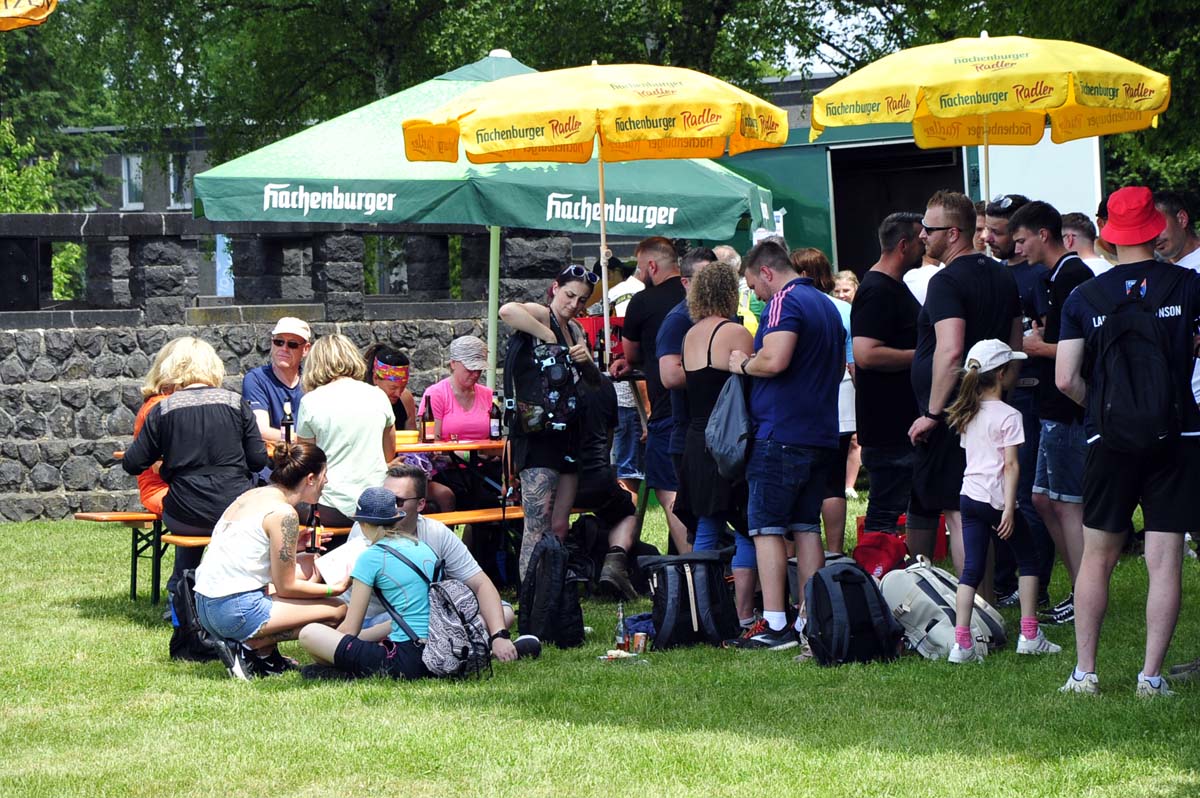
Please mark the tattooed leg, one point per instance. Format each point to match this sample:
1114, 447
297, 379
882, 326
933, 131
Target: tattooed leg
538, 488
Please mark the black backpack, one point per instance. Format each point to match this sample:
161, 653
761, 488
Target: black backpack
692, 603
539, 384
190, 641
1133, 396
549, 597
848, 620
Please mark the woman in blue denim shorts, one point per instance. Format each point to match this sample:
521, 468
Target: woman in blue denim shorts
250, 594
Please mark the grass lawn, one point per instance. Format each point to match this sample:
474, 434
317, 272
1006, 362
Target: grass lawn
93, 706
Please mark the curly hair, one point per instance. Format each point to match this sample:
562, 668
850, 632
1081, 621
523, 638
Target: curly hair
156, 381
191, 361
713, 292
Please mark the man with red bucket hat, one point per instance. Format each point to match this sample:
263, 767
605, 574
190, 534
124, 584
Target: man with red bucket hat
1132, 330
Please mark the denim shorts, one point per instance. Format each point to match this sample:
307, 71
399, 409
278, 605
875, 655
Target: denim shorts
1061, 454
787, 486
236, 617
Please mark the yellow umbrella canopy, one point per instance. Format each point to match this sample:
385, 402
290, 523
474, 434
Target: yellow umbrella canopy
997, 91
639, 111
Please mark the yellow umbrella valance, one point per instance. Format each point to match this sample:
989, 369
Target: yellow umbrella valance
997, 91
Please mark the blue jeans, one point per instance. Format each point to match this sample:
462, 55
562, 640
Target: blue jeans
787, 486
1061, 455
629, 453
708, 533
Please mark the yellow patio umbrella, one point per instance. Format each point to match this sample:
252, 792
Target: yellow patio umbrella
999, 90
622, 112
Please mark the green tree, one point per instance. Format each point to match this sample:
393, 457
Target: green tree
26, 181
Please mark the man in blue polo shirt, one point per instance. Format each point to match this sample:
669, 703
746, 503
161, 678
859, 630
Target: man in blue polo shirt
267, 387
797, 367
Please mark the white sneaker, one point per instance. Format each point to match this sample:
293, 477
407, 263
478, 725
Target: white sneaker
959, 655
1038, 645
1147, 690
1088, 685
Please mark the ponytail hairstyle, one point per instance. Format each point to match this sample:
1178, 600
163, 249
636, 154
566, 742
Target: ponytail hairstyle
292, 462
974, 382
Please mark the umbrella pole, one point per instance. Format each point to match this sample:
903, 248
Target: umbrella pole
604, 256
493, 302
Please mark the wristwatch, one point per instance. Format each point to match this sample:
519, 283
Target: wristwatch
746, 362
507, 635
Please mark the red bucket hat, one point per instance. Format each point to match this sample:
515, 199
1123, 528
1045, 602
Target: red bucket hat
1132, 217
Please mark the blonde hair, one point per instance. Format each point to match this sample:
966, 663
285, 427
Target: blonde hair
331, 357
974, 383
847, 275
713, 292
190, 361
154, 382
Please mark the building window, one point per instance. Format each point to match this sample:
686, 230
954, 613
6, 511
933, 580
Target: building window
180, 180
131, 183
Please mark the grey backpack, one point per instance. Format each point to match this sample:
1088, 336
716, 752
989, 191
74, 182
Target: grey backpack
922, 598
457, 644
728, 432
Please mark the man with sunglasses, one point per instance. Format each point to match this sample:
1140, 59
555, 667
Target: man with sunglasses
971, 299
267, 387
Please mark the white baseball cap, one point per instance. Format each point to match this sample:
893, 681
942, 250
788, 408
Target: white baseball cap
290, 325
991, 354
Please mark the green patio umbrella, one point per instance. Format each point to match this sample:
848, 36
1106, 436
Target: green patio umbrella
352, 169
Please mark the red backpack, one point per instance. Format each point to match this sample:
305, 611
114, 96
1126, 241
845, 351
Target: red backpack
879, 552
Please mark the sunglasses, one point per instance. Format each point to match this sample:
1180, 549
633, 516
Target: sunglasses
281, 343
929, 229
1002, 202
581, 273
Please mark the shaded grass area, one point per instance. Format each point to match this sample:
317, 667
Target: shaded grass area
93, 706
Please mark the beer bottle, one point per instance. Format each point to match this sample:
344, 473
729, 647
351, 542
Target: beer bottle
285, 425
314, 523
494, 419
428, 425
620, 642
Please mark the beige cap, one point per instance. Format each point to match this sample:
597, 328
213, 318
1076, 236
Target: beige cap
290, 325
470, 351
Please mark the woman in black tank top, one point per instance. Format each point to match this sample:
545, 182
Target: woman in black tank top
713, 499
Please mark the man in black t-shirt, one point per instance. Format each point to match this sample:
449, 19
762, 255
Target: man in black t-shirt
664, 290
883, 324
599, 492
1058, 474
1165, 481
973, 298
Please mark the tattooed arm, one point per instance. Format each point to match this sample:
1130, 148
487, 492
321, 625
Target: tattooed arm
283, 530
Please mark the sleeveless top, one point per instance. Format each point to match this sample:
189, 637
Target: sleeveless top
704, 386
238, 559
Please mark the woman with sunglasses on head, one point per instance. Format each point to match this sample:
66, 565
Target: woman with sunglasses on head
547, 460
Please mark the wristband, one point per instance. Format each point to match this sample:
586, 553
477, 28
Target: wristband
745, 363
328, 591
935, 416
502, 633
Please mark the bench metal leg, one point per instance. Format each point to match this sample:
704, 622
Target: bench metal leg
156, 553
142, 540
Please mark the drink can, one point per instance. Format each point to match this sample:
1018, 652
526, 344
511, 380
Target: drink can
639, 643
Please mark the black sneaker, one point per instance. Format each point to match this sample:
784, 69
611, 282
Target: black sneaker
275, 664
1008, 599
237, 661
773, 640
1069, 601
1059, 617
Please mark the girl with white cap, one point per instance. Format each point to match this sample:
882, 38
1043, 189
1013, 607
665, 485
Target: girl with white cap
991, 432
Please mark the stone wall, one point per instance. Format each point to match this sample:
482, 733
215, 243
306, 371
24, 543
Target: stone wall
68, 398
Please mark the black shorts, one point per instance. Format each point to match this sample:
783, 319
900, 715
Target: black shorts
1166, 484
938, 471
558, 451
835, 483
600, 494
386, 658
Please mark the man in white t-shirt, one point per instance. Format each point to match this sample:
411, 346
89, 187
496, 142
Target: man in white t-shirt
1079, 236
409, 483
918, 279
628, 440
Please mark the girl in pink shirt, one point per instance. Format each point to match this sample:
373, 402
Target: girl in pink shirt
991, 432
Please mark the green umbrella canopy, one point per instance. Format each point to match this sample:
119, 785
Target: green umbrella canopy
352, 169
